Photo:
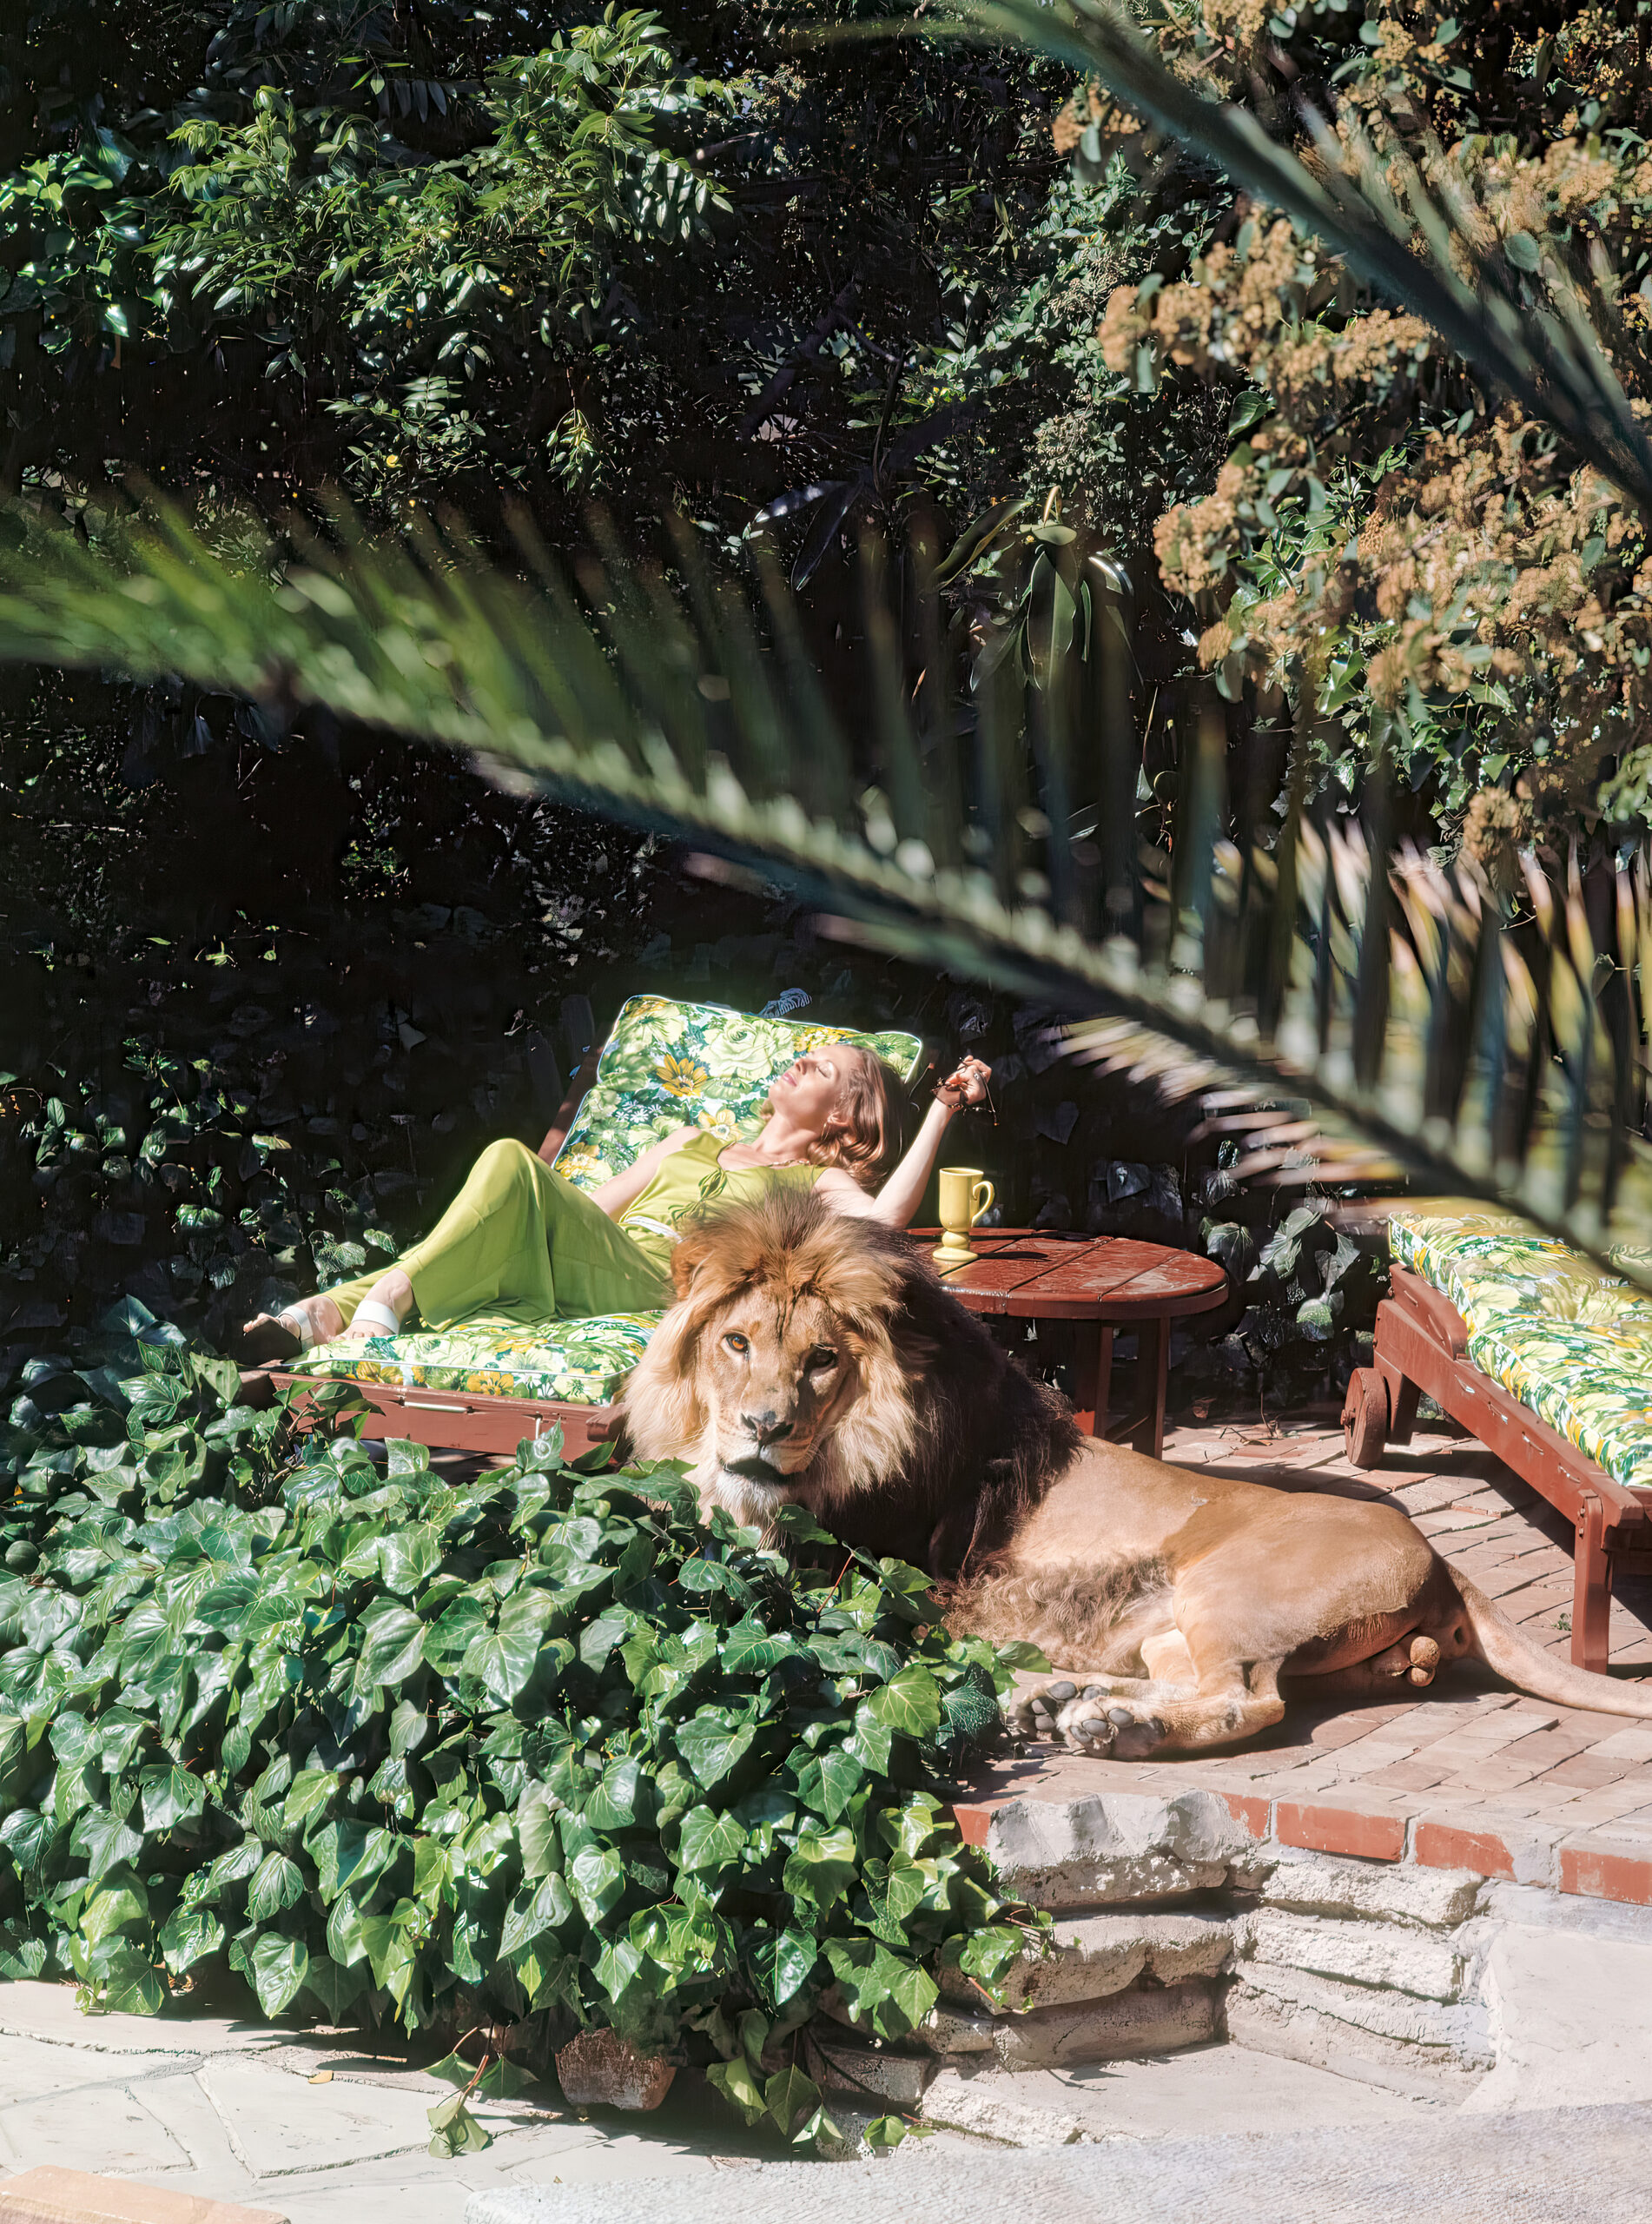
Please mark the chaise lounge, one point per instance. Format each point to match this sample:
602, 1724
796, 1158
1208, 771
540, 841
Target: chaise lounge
484, 1389
1546, 1360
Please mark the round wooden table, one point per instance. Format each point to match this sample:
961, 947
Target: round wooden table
1097, 1284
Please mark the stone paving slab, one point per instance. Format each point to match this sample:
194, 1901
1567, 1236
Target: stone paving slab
312, 2124
1465, 1774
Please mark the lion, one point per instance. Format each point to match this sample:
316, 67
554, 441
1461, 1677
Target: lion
816, 1361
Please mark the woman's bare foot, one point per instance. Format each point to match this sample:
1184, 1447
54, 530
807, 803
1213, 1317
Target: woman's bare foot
320, 1318
392, 1290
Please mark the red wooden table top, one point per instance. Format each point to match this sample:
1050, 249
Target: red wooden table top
1051, 1276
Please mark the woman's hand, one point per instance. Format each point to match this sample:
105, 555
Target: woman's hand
967, 1084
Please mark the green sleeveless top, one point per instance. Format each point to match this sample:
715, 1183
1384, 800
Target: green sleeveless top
691, 1177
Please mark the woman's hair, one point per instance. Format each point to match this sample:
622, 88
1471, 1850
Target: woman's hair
865, 1136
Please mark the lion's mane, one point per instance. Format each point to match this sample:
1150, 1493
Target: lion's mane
949, 1444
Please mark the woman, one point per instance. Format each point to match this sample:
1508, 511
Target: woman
519, 1244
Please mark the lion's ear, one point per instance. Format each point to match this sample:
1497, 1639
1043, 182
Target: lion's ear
690, 1252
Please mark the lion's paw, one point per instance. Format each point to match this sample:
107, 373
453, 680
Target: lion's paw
1091, 1721
1095, 1724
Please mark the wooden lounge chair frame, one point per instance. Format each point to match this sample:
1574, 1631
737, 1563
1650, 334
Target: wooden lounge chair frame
461, 1421
1422, 1345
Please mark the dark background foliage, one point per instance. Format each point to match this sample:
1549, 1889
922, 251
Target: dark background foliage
253, 250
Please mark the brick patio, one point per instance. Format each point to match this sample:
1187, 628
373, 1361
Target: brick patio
1465, 1774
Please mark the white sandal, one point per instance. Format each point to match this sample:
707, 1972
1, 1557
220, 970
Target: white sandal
376, 1316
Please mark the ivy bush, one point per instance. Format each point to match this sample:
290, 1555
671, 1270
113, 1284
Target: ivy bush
384, 1746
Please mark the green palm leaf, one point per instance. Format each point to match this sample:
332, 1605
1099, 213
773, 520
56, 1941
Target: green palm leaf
1400, 1005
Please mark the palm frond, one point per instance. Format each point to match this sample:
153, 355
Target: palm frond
1397, 1002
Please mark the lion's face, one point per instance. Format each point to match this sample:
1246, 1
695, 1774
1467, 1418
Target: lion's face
775, 1374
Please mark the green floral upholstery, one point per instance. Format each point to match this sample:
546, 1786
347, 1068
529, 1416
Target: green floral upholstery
578, 1361
664, 1064
1571, 1342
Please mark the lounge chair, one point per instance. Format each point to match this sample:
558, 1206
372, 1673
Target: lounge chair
1543, 1358
466, 1389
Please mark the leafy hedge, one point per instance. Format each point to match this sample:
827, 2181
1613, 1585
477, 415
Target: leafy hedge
387, 1746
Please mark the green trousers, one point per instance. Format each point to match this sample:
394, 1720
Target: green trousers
518, 1245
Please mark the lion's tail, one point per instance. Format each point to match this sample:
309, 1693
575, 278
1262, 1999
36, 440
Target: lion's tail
1510, 1654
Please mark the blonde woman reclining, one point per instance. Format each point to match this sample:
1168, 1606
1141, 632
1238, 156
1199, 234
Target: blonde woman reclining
519, 1244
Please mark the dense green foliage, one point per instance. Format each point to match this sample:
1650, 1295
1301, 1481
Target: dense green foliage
384, 1744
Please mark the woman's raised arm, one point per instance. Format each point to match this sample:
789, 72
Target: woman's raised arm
901, 1194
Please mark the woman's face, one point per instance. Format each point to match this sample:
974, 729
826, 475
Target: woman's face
809, 1090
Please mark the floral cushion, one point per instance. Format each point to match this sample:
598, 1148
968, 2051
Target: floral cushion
664, 1064
1570, 1341
667, 1063
578, 1361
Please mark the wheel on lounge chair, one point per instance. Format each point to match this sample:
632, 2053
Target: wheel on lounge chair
1365, 1417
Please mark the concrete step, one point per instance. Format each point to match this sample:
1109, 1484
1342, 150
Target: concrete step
1548, 2166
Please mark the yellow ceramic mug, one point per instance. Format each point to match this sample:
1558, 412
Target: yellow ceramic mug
965, 1195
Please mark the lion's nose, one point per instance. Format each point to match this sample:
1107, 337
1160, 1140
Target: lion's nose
765, 1429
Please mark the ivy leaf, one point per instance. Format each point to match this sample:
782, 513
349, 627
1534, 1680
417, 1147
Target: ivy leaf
909, 1703
785, 1964
392, 1645
187, 1936
277, 1884
712, 1747
105, 1840
709, 1840
537, 1830
789, 2097
828, 1781
311, 1790
597, 1878
280, 1966
739, 2087
546, 1909
169, 1794
822, 1867
448, 1638
336, 1987
502, 1659
408, 1557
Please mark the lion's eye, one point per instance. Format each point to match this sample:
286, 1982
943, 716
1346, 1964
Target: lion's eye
737, 1343
820, 1359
